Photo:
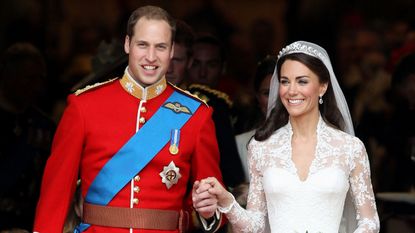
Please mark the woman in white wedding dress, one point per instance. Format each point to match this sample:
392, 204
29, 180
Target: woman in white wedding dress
304, 162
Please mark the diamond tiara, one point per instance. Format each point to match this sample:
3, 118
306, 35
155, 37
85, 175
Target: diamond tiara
298, 47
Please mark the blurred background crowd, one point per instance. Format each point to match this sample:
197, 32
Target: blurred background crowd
50, 48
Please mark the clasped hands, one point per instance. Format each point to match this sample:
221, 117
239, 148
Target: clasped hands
208, 194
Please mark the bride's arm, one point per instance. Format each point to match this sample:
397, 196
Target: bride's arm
362, 191
252, 219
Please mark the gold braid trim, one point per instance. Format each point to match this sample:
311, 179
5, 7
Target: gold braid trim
219, 94
89, 87
192, 95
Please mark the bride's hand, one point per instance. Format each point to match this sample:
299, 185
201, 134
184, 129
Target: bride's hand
224, 198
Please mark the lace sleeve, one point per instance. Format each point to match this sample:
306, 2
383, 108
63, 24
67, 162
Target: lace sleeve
362, 191
253, 218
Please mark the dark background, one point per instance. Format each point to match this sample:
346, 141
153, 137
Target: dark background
82, 41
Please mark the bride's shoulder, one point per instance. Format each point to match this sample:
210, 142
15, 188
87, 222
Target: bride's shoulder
345, 138
275, 139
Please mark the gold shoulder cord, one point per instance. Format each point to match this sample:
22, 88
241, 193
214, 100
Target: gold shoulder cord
186, 92
217, 93
89, 87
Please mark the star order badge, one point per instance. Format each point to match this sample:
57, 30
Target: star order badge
170, 175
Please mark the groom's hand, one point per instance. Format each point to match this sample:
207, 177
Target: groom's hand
204, 202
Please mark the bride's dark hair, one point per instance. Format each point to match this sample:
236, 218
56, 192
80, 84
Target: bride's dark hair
329, 111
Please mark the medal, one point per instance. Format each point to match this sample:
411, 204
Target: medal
170, 175
174, 141
173, 149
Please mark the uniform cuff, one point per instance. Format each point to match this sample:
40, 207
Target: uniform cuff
213, 225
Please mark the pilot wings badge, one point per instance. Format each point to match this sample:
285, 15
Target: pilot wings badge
177, 108
170, 175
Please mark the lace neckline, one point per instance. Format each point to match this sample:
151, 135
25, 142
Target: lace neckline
313, 165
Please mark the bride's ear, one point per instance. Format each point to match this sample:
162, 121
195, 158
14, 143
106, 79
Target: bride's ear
323, 88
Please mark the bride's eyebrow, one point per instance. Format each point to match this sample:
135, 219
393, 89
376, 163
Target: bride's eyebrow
298, 77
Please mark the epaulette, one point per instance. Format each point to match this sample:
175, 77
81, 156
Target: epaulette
188, 93
219, 94
89, 87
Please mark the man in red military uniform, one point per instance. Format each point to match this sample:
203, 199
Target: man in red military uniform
137, 143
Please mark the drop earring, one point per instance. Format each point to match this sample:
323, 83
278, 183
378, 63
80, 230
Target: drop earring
320, 100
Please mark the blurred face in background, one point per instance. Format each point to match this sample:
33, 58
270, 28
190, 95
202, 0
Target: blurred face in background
25, 84
207, 65
179, 65
263, 93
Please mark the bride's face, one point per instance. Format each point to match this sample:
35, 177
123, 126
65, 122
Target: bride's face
299, 89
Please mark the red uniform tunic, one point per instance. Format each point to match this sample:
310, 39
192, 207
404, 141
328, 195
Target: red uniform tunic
95, 125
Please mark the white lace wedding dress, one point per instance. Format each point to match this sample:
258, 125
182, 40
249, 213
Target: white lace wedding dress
280, 202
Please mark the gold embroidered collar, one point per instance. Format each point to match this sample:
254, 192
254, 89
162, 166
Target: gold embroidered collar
143, 93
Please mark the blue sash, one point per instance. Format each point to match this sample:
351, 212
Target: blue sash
140, 149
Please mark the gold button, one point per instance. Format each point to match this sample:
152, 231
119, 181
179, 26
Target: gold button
143, 109
137, 178
135, 201
142, 120
136, 189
